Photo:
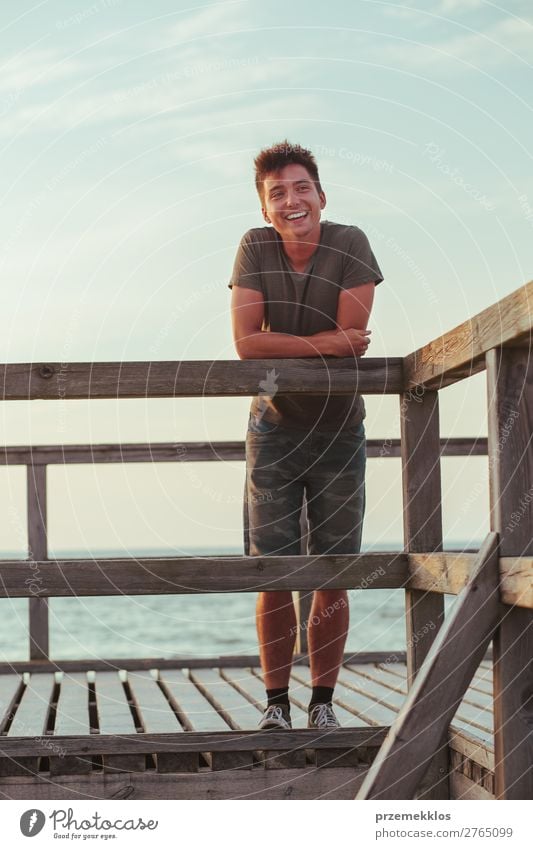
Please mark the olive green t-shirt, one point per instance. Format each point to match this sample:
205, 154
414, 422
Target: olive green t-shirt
304, 304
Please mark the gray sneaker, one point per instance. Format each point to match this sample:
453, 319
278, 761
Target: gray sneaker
276, 716
322, 716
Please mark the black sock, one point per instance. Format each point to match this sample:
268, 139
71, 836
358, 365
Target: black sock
278, 697
321, 695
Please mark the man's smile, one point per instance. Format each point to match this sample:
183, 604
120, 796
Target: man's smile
294, 216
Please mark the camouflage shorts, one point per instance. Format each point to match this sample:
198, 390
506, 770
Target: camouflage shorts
284, 465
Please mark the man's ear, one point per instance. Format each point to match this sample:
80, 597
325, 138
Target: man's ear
265, 216
322, 197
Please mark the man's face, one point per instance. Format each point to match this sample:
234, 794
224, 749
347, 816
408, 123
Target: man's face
292, 204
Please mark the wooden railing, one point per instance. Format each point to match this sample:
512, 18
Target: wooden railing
37, 458
495, 585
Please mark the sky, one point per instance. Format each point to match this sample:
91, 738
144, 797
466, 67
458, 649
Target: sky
127, 137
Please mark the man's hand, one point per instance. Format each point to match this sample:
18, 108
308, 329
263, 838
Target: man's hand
346, 343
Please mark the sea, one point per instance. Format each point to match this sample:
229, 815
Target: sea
204, 625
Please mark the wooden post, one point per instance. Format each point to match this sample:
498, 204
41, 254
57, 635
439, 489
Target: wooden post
38, 550
422, 521
510, 397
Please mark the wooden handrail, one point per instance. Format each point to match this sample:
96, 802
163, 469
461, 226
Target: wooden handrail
185, 575
200, 379
179, 452
461, 352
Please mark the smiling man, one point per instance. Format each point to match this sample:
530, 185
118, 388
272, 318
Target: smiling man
302, 287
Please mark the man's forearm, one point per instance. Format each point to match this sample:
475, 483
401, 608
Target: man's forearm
266, 345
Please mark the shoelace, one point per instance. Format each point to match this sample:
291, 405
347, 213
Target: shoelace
275, 712
323, 716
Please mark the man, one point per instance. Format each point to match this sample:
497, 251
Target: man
302, 288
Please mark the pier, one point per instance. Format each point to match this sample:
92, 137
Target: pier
448, 719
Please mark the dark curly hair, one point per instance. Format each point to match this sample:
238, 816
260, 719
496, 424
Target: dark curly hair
272, 159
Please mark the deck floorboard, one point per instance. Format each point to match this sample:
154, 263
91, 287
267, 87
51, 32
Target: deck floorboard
10, 686
115, 717
382, 686
196, 710
31, 719
226, 698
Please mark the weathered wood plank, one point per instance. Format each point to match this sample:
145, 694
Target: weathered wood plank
289, 784
202, 378
111, 664
422, 514
422, 523
129, 452
184, 575
179, 452
115, 717
72, 717
113, 710
510, 393
236, 710
195, 711
155, 714
192, 741
441, 684
32, 713
72, 710
476, 747
460, 352
479, 693
440, 572
475, 711
157, 717
10, 687
37, 550
517, 581
29, 722
464, 788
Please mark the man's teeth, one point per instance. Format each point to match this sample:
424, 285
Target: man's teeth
294, 215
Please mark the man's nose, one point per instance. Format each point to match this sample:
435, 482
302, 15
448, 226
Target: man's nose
291, 199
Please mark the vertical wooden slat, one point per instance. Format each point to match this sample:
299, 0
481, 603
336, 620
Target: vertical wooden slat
510, 396
38, 550
422, 522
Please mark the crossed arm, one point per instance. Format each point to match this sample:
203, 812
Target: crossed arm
350, 338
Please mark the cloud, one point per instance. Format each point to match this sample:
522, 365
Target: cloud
445, 7
201, 89
207, 21
506, 40
29, 69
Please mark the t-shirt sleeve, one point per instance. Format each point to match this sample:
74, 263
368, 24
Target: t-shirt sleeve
360, 264
247, 268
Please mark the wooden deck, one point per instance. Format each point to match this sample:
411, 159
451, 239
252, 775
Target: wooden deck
173, 732
160, 729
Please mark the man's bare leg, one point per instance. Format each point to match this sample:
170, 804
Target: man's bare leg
326, 633
276, 631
